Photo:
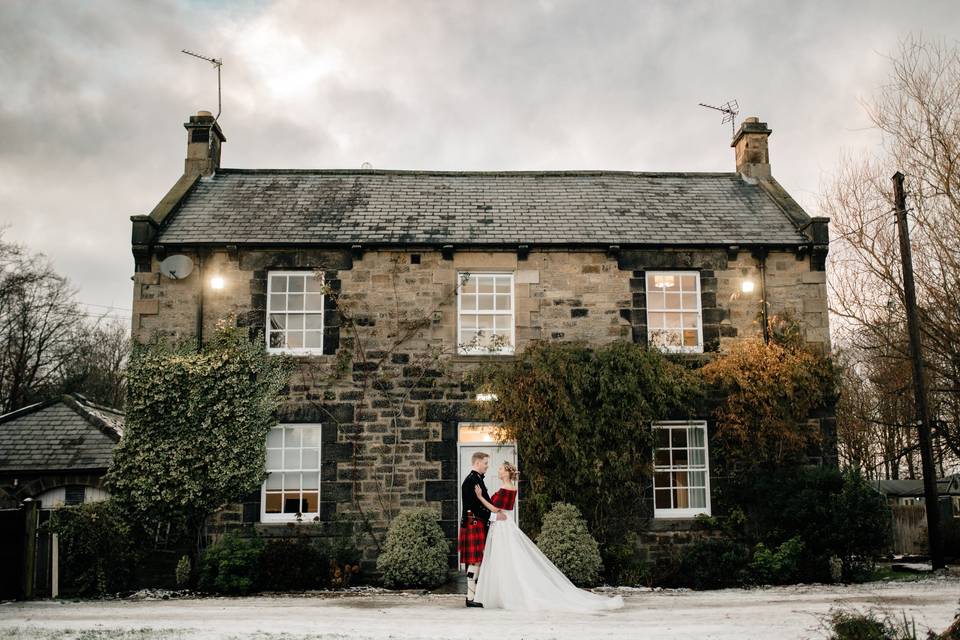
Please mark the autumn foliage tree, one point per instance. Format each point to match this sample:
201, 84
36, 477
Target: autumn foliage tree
767, 394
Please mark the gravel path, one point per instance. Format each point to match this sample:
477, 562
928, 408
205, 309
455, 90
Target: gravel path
780, 612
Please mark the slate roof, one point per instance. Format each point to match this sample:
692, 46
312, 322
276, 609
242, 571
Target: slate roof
237, 206
947, 486
68, 433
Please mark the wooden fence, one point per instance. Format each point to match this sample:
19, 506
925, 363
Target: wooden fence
909, 529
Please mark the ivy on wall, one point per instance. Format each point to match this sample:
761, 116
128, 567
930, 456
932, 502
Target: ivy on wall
196, 424
581, 419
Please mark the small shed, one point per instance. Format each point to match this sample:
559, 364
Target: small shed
52, 454
906, 501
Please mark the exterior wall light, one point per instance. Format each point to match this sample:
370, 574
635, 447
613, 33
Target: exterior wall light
216, 282
747, 286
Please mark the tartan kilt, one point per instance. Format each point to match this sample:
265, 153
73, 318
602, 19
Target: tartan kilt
473, 537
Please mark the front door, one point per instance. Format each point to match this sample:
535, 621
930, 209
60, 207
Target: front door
482, 436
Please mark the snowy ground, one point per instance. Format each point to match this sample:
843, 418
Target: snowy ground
782, 613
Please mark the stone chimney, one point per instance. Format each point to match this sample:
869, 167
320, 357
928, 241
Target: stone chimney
750, 143
203, 145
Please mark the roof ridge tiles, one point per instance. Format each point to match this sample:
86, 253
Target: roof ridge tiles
494, 173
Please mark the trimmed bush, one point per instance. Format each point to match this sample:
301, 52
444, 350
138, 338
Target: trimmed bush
565, 540
415, 553
231, 565
96, 551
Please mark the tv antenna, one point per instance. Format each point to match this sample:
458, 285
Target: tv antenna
729, 111
217, 62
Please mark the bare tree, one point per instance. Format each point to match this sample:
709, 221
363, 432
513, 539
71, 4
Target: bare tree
98, 366
917, 113
47, 345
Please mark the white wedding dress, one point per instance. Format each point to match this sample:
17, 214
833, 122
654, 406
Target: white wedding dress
516, 575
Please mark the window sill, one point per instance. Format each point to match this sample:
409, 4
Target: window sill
296, 352
484, 357
285, 522
692, 351
674, 523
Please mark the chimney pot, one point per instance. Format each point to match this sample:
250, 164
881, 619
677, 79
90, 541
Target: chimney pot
750, 145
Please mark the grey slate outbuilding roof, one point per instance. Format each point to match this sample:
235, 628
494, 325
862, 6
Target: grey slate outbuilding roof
68, 433
947, 486
237, 206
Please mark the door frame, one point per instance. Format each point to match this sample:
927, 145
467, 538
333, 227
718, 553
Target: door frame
461, 446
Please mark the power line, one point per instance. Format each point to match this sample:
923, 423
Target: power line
103, 315
105, 306
844, 236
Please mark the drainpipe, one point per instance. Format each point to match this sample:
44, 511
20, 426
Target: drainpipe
761, 256
199, 331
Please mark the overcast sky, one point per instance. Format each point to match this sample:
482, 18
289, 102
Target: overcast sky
93, 96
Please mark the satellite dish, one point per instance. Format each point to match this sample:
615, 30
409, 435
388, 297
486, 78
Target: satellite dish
176, 267
366, 166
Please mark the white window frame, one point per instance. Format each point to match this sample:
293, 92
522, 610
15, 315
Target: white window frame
684, 512
512, 313
323, 305
675, 348
292, 517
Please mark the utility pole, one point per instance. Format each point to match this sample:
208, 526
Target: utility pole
919, 384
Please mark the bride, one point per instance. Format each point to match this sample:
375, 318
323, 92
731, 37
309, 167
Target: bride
515, 574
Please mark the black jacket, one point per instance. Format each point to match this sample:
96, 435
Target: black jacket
470, 501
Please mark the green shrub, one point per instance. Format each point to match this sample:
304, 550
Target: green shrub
855, 625
195, 429
624, 565
96, 552
183, 571
231, 565
833, 514
415, 553
780, 566
714, 563
294, 563
565, 540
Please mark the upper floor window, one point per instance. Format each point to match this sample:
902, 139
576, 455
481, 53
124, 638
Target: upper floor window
681, 470
293, 473
674, 320
485, 318
294, 312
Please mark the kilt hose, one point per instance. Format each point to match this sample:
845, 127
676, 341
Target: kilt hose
473, 537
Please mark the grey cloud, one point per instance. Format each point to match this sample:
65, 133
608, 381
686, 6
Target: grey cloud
95, 94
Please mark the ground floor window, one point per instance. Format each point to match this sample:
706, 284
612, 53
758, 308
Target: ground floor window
293, 473
681, 470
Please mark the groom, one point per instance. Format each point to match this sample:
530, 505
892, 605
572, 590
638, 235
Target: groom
474, 522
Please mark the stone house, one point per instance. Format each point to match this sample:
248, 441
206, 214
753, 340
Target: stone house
414, 277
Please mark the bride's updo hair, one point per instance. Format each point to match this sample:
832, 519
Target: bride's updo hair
511, 470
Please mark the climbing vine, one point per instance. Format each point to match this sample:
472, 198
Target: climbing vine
196, 424
581, 419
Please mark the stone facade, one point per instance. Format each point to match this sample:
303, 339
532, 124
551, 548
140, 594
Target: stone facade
379, 449
390, 245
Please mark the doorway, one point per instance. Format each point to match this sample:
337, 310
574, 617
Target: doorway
483, 436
